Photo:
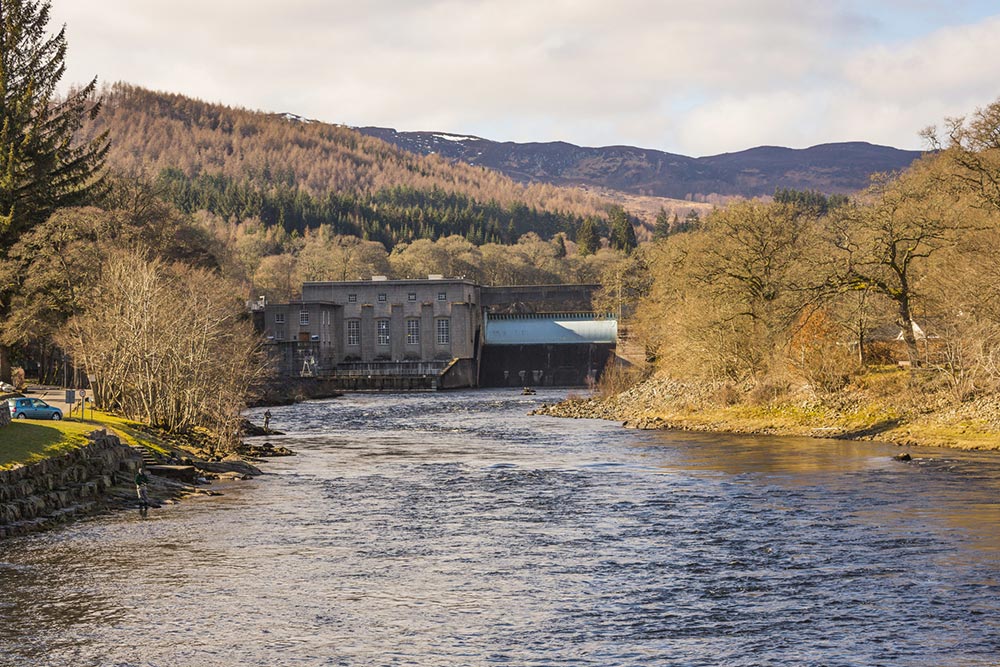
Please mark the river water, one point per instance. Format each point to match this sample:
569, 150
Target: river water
453, 529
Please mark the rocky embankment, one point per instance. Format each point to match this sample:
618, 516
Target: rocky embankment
887, 407
53, 491
100, 476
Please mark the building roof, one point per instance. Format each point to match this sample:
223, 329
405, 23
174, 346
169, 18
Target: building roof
372, 283
550, 329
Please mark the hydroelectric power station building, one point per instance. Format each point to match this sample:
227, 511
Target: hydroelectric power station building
439, 333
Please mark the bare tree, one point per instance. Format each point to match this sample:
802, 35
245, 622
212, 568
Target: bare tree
883, 244
167, 345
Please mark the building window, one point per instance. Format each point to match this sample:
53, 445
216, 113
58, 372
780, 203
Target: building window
444, 331
412, 296
413, 332
383, 331
352, 298
304, 317
279, 318
381, 297
442, 296
354, 332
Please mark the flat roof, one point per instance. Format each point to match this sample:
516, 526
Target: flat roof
397, 281
541, 285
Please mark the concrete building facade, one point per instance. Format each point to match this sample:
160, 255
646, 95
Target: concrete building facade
433, 333
374, 327
401, 320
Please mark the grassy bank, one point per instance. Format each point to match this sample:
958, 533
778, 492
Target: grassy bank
889, 405
27, 441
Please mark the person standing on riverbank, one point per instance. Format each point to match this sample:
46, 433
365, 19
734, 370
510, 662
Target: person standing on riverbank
141, 482
267, 420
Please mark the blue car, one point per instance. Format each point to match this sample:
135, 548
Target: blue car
32, 408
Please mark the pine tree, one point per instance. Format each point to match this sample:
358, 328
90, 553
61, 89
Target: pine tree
691, 221
661, 228
587, 240
622, 232
560, 245
41, 169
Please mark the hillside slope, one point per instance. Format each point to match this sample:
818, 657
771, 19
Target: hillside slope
828, 168
297, 173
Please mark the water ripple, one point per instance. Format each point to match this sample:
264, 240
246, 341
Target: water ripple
452, 529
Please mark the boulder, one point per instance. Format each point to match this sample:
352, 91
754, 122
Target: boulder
182, 473
229, 465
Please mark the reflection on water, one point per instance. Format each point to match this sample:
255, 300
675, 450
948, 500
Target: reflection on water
451, 529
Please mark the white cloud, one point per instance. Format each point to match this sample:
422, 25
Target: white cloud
696, 77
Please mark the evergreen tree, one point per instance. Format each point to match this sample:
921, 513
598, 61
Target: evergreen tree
691, 221
587, 240
661, 228
560, 245
622, 232
41, 169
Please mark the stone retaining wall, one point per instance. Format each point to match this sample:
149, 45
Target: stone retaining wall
39, 495
4, 411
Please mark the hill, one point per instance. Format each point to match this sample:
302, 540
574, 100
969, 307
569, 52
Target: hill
298, 174
829, 168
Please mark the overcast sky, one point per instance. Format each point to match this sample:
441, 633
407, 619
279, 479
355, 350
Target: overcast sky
697, 77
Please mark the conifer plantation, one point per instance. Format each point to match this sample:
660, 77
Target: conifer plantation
294, 174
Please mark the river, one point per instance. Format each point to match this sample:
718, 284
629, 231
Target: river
453, 529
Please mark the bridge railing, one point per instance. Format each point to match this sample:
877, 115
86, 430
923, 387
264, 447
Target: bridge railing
394, 368
572, 315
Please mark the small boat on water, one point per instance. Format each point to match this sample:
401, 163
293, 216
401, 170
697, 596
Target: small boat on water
527, 391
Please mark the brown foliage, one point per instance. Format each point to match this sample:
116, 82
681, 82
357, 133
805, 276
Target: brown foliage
167, 345
151, 131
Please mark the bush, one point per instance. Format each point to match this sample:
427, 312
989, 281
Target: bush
617, 377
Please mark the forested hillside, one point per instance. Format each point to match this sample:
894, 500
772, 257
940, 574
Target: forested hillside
297, 174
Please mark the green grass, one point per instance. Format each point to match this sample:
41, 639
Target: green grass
27, 441
131, 433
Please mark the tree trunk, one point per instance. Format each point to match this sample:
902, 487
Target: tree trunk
906, 322
5, 375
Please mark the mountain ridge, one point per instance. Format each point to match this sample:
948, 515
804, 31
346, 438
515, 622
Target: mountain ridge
830, 168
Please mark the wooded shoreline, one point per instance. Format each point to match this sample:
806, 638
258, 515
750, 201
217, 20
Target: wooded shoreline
855, 414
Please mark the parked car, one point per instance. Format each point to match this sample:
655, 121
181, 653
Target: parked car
32, 408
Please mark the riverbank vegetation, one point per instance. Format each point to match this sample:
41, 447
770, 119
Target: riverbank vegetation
873, 316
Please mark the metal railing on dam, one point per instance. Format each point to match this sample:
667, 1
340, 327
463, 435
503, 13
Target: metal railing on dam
393, 368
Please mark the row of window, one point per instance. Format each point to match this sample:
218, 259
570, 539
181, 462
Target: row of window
383, 297
442, 332
279, 318
325, 318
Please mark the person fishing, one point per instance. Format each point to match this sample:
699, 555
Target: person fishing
141, 482
267, 420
